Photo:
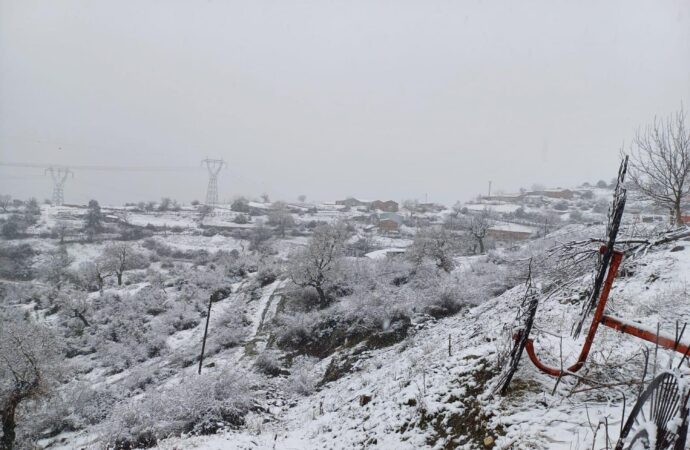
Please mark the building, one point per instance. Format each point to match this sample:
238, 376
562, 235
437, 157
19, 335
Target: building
511, 198
566, 194
387, 206
352, 202
510, 232
389, 222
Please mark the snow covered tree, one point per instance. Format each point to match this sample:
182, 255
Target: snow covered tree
14, 227
55, 268
29, 356
5, 201
240, 204
119, 257
433, 243
259, 238
660, 163
453, 215
315, 265
93, 220
60, 230
92, 275
279, 216
477, 226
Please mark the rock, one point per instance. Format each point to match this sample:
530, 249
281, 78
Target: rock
488, 441
677, 248
364, 399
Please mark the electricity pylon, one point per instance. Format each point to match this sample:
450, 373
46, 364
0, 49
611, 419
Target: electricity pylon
59, 176
214, 166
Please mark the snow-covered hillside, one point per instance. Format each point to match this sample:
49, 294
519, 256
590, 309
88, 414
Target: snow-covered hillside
415, 395
402, 351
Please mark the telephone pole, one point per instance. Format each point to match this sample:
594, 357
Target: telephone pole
214, 166
59, 176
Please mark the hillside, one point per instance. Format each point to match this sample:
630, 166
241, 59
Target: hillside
404, 353
414, 395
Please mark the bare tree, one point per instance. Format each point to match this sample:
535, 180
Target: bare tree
316, 264
453, 214
118, 258
477, 226
28, 360
5, 202
660, 163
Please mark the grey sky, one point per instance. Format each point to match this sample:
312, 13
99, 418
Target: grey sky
391, 99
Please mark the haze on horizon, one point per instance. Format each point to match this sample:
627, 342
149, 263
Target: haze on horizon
377, 99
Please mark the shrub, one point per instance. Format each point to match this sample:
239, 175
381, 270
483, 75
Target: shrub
197, 404
268, 363
16, 261
303, 379
241, 219
267, 274
561, 206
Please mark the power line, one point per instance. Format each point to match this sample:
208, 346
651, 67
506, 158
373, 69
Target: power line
102, 167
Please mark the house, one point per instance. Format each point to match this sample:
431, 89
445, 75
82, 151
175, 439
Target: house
566, 194
510, 232
389, 222
685, 219
352, 202
388, 205
512, 198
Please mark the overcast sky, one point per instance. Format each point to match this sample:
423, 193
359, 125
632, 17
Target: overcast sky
377, 99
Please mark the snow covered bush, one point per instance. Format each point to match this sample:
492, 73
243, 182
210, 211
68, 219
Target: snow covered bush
198, 404
268, 363
230, 330
16, 261
303, 379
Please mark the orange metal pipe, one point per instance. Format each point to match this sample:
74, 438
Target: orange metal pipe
598, 315
663, 341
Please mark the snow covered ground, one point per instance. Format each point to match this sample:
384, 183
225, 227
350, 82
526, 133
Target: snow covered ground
394, 396
431, 390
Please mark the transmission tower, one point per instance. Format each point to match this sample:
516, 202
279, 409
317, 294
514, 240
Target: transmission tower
59, 176
214, 166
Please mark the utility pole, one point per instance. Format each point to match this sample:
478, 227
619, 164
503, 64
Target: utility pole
489, 189
59, 176
214, 166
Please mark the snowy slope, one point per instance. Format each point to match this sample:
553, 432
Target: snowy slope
420, 397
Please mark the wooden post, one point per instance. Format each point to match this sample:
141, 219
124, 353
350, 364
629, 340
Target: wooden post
203, 343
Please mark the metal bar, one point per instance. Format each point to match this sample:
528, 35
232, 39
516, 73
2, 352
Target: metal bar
203, 343
598, 315
663, 340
